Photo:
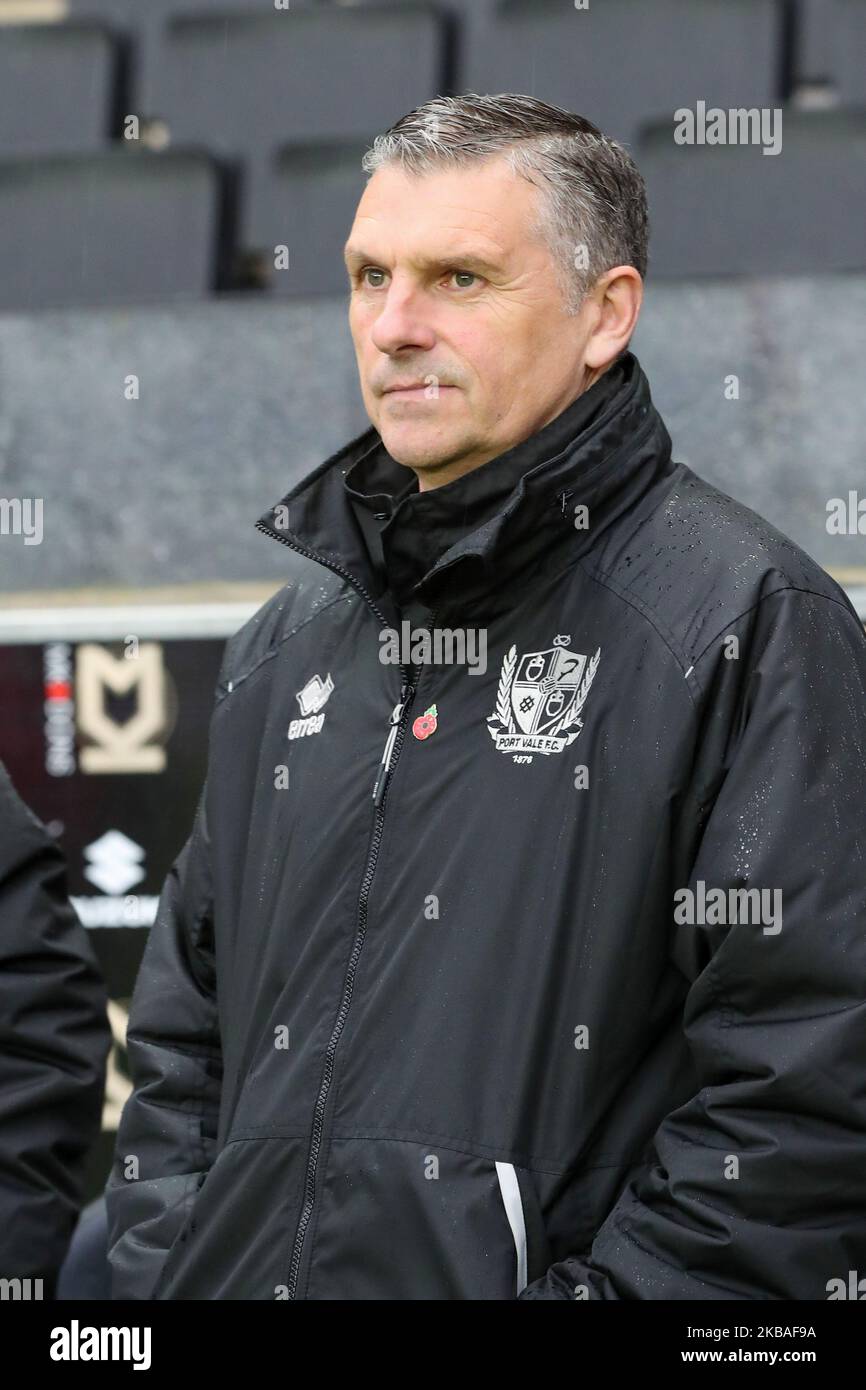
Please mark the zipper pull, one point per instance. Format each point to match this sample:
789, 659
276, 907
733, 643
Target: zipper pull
382, 775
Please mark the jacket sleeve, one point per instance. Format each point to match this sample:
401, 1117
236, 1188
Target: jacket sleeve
756, 1187
167, 1133
54, 1041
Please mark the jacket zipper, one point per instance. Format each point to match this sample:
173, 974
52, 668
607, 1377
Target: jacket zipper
414, 680
393, 746
382, 776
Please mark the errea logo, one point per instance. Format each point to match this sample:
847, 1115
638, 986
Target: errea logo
311, 699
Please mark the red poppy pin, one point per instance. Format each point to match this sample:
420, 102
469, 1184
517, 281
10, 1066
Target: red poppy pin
426, 723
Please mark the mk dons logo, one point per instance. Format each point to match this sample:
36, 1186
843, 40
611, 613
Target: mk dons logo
135, 744
540, 699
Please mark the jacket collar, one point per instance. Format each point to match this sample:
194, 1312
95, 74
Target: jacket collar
421, 526
604, 459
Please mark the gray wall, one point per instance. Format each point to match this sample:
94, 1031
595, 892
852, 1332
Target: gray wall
239, 398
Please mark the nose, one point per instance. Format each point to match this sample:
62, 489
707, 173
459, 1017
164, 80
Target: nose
401, 323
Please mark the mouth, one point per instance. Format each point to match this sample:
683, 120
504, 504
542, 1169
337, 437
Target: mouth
417, 392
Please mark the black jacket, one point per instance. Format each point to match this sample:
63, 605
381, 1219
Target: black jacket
490, 1033
54, 1040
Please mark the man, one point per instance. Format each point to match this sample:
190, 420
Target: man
535, 976
54, 1040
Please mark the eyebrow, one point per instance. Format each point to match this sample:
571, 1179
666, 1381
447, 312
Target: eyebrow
356, 257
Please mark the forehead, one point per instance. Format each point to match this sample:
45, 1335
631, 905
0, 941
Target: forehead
484, 208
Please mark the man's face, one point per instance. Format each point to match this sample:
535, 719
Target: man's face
449, 289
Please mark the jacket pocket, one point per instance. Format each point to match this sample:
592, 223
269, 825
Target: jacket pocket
234, 1241
408, 1219
182, 1234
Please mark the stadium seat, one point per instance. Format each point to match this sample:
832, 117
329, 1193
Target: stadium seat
813, 41
314, 194
622, 63
125, 226
142, 23
248, 85
848, 50
56, 88
728, 209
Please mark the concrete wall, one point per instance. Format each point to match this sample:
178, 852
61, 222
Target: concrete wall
239, 398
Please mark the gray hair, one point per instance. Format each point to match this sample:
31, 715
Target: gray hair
593, 197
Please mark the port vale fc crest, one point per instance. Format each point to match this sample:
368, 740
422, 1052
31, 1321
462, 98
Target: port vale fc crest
540, 697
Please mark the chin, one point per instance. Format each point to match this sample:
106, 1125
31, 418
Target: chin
415, 447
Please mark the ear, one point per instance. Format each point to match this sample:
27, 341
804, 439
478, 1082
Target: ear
617, 297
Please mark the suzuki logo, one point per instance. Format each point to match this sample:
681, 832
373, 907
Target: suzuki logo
114, 862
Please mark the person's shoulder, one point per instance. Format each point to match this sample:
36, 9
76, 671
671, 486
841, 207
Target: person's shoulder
309, 589
701, 560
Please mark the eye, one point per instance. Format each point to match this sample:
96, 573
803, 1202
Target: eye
370, 270
468, 274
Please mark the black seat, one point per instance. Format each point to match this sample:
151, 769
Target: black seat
848, 50
730, 209
124, 226
143, 22
247, 85
813, 40
314, 193
622, 63
56, 88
